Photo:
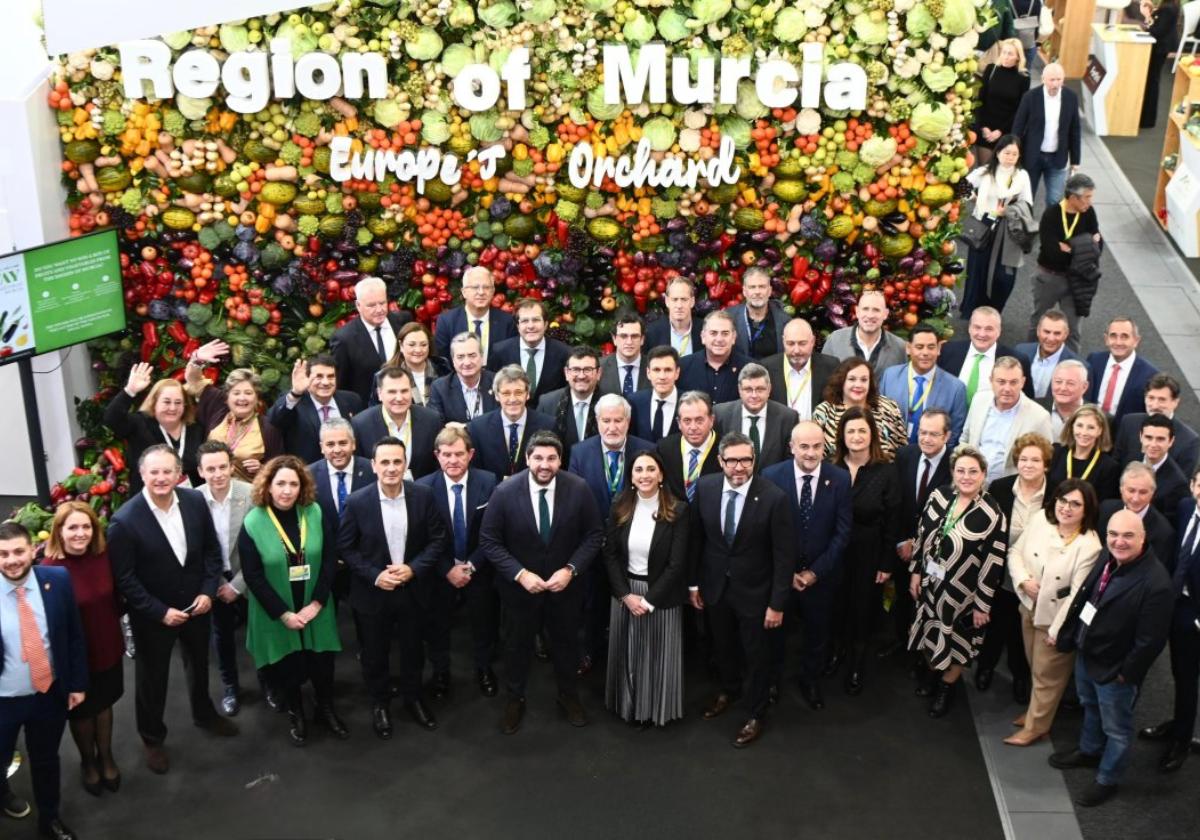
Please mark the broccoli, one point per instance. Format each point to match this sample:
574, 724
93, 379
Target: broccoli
113, 122
663, 208
863, 174
333, 203
568, 211
307, 124
174, 123
846, 159
539, 136
594, 200
131, 201
843, 182
308, 225
944, 167
290, 153
522, 168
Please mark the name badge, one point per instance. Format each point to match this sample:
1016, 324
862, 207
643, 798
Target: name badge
1089, 612
934, 570
298, 573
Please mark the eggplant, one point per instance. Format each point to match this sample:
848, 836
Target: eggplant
677, 224
761, 236
955, 267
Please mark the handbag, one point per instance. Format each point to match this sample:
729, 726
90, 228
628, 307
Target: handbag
978, 233
1026, 26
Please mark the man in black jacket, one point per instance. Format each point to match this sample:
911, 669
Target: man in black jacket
363, 345
1118, 623
1052, 284
313, 399
1047, 121
1137, 491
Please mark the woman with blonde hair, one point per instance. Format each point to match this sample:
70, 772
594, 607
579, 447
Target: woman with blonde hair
1083, 453
166, 414
1004, 83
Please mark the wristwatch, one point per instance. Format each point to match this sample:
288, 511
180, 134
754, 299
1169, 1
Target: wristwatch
574, 573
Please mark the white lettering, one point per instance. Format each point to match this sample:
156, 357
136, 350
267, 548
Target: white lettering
476, 87
196, 74
146, 61
244, 76
372, 66
314, 64
624, 83
516, 72
776, 84
584, 170
846, 88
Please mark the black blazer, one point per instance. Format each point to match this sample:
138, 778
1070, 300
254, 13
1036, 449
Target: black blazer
1030, 125
642, 410
454, 321
1171, 485
357, 357
141, 431
490, 437
1105, 477
756, 571
446, 397
667, 564
876, 495
144, 566
1185, 451
480, 484
1160, 530
370, 427
510, 538
560, 404
1132, 620
1133, 396
509, 352
658, 334
301, 426
775, 312
822, 367
68, 650
908, 462
954, 356
612, 374
777, 444
829, 524
361, 474
672, 457
362, 544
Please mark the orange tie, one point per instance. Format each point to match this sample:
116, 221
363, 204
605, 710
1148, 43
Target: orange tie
33, 647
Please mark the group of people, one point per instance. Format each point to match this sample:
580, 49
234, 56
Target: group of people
711, 485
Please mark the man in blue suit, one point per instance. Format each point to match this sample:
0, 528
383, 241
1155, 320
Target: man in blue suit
43, 672
476, 315
680, 329
921, 384
1117, 380
500, 435
821, 510
1047, 122
541, 357
460, 494
313, 399
467, 393
1043, 355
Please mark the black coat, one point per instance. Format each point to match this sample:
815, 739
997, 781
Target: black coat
821, 365
908, 463
370, 428
361, 474
658, 334
955, 353
510, 352
673, 462
141, 431
821, 549
446, 397
1160, 530
1030, 125
642, 405
560, 404
357, 357
1084, 273
1185, 451
1105, 477
875, 496
490, 438
667, 564
301, 425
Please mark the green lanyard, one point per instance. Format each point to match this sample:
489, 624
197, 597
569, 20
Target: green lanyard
951, 520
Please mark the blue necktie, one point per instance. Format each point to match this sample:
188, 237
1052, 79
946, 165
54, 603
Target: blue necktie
479, 329
915, 408
460, 525
614, 473
513, 443
806, 503
627, 385
693, 460
341, 491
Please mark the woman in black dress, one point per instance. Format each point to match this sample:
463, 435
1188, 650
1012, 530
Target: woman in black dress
1004, 83
1159, 22
867, 563
167, 414
1083, 453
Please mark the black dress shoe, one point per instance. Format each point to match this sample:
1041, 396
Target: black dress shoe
297, 726
1174, 757
487, 682
381, 721
1071, 759
328, 718
854, 683
890, 649
1158, 732
514, 711
832, 663
573, 709
420, 713
439, 686
748, 734
113, 783
983, 678
540, 650
811, 692
943, 699
1095, 794
585, 666
1021, 690
94, 788
56, 829
719, 705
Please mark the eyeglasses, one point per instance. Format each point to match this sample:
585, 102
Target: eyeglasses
739, 462
1073, 504
574, 371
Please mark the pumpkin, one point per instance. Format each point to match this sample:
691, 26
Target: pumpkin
879, 209
197, 182
438, 192
306, 206
368, 200
788, 168
724, 194
224, 186
320, 161
331, 226
568, 191
259, 152
520, 228
383, 228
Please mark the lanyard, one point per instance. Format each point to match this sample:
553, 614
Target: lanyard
287, 543
798, 388
1068, 230
912, 409
182, 439
614, 475
762, 325
684, 341
951, 520
1088, 470
684, 447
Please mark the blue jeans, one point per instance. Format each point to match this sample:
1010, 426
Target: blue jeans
1039, 164
1107, 723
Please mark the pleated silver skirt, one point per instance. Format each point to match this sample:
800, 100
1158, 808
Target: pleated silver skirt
645, 662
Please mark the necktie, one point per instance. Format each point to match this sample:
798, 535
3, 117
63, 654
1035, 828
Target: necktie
730, 529
659, 429
459, 521
693, 471
324, 414
806, 502
479, 329
1111, 390
973, 379
1109, 568
581, 419
754, 436
513, 443
915, 408
379, 345
531, 369
471, 398
1193, 536
33, 646
341, 492
627, 383
923, 487
614, 472
543, 516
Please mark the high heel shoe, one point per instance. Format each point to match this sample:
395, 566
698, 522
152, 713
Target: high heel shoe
1019, 722
1024, 738
111, 785
94, 788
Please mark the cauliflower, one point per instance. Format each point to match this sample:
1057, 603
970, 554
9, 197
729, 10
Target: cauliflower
808, 121
307, 124
308, 225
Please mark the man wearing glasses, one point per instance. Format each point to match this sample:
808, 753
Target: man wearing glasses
543, 359
573, 407
767, 423
477, 315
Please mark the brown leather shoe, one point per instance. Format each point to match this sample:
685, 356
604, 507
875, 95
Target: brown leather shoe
573, 709
1024, 738
717, 707
513, 712
748, 734
156, 758
220, 726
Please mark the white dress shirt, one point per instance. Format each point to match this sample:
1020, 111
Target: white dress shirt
798, 385
668, 402
994, 439
934, 462
472, 397
1042, 371
333, 480
1053, 110
171, 522
220, 518
682, 342
389, 336
985, 368
812, 485
395, 525
1122, 379
539, 358
635, 366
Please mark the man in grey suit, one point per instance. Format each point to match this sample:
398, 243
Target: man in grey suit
624, 372
798, 374
1044, 354
759, 322
766, 423
868, 340
228, 499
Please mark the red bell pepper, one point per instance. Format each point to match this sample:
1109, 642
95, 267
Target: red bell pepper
115, 457
178, 331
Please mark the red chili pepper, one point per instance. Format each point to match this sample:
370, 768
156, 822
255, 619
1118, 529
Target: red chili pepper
178, 332
564, 232
150, 333
190, 347
801, 293
115, 457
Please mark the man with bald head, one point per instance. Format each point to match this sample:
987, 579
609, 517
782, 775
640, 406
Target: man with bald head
868, 339
1047, 123
1118, 624
364, 344
798, 374
477, 315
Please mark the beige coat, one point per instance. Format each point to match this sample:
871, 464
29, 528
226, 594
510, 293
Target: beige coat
1039, 554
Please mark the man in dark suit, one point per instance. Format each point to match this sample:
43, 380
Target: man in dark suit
1171, 484
1162, 397
542, 358
821, 511
759, 321
499, 436
461, 496
680, 329
477, 316
1048, 152
1118, 623
396, 416
654, 408
167, 563
313, 399
363, 345
798, 375
767, 423
467, 393
1044, 354
573, 406
1137, 493
541, 530
392, 538
693, 451
43, 673
624, 370
978, 354
741, 574
1118, 378
715, 370
1180, 729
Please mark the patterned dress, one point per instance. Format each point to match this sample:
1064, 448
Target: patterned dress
892, 432
960, 571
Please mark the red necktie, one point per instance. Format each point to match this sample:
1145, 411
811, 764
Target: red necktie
324, 414
33, 646
1111, 390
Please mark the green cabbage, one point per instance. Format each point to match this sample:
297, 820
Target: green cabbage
234, 38
540, 11
456, 57
958, 17
938, 77
192, 109
870, 31
789, 25
426, 45
639, 30
178, 40
931, 121
434, 128
710, 11
919, 23
483, 127
749, 106
388, 112
660, 131
737, 129
300, 36
672, 26
876, 151
499, 16
599, 108
599, 5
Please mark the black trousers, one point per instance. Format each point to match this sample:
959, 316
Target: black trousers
1003, 633
290, 673
597, 601
739, 636
404, 615
226, 618
1185, 670
155, 642
43, 717
561, 614
811, 611
483, 612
